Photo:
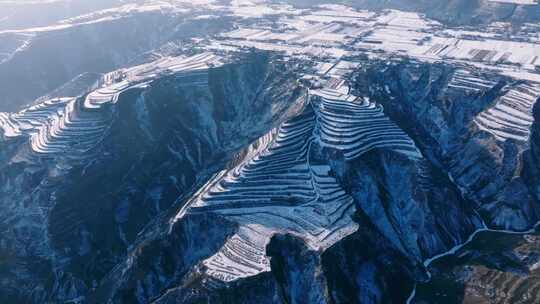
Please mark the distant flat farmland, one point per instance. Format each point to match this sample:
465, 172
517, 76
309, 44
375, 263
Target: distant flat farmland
521, 2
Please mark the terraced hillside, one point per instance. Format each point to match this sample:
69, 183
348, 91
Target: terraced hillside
307, 180
477, 127
326, 167
73, 127
73, 234
355, 126
171, 151
469, 81
278, 189
321, 177
511, 117
132, 35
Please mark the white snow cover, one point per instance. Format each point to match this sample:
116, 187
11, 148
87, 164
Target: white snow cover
520, 2
465, 79
279, 189
276, 190
75, 125
356, 126
511, 117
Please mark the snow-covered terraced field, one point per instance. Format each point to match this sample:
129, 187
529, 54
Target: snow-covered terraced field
511, 117
279, 188
76, 125
355, 126
30, 119
58, 126
464, 79
77, 129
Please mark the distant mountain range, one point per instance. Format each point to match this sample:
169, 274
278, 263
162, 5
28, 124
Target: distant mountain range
451, 12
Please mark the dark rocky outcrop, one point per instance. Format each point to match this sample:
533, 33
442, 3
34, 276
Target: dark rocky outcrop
84, 213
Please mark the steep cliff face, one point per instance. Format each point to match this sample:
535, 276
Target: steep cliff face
336, 176
366, 268
411, 203
531, 169
495, 268
189, 180
101, 172
474, 127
